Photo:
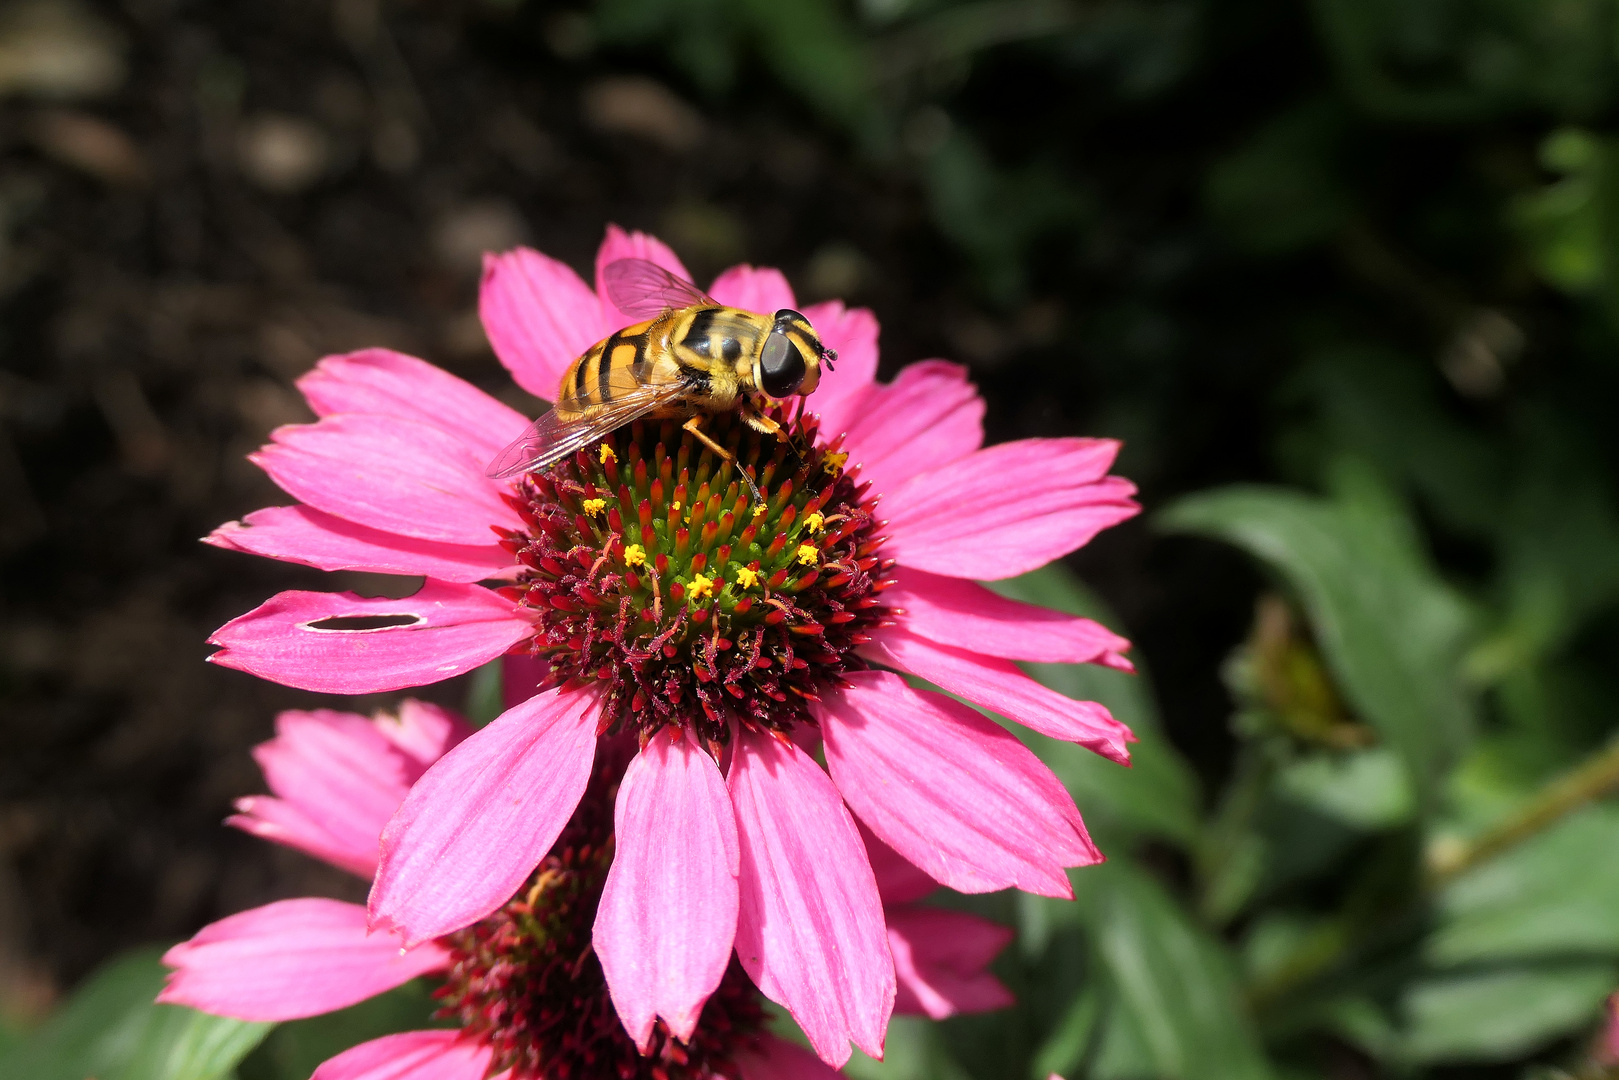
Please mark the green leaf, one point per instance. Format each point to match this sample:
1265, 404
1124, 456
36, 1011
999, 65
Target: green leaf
1556, 894
111, 1029
1158, 795
1497, 1015
1174, 984
1390, 630
1364, 789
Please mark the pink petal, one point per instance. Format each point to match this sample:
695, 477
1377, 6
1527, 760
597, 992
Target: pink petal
1008, 509
413, 1055
399, 476
388, 383
940, 957
539, 315
852, 332
761, 289
770, 1058
291, 959
339, 778
952, 611
668, 911
950, 790
810, 929
304, 535
456, 628
899, 880
479, 821
635, 245
926, 418
1000, 687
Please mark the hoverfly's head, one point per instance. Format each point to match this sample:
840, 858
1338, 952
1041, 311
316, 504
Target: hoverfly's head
790, 361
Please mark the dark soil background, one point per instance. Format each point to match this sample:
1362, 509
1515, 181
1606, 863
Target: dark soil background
230, 191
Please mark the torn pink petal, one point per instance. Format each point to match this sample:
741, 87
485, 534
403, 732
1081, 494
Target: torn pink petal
810, 929
539, 315
619, 244
423, 732
399, 476
412, 1055
950, 790
310, 537
761, 289
954, 611
770, 1058
899, 880
999, 686
1007, 509
388, 383
483, 816
940, 959
928, 417
668, 911
291, 959
339, 777
852, 333
328, 642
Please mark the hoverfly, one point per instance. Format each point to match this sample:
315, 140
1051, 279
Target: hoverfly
691, 357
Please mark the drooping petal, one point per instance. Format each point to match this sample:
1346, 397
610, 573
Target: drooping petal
484, 815
304, 535
539, 315
810, 929
763, 289
423, 732
899, 881
953, 611
1007, 509
928, 417
770, 1058
1000, 687
950, 790
520, 677
328, 642
852, 333
619, 244
940, 958
388, 383
338, 779
412, 1055
291, 959
400, 476
668, 911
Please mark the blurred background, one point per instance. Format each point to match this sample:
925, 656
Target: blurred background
1343, 274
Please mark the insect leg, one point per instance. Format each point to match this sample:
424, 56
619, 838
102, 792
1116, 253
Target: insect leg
725, 455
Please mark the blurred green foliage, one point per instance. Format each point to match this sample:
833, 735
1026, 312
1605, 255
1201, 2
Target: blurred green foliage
1400, 218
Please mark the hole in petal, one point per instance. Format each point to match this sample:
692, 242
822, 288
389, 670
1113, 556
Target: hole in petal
350, 624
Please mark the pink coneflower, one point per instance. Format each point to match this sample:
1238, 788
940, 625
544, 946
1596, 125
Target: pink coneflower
730, 637
523, 982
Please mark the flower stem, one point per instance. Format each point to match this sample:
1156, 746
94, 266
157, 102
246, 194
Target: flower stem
1592, 779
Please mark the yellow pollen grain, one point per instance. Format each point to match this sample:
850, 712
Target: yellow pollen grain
834, 461
807, 554
814, 522
700, 587
674, 507
594, 506
608, 455
635, 555
747, 578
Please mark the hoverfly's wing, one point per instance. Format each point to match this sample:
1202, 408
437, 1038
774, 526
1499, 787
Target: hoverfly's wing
645, 290
551, 438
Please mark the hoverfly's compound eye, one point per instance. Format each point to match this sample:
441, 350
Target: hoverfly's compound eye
781, 365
